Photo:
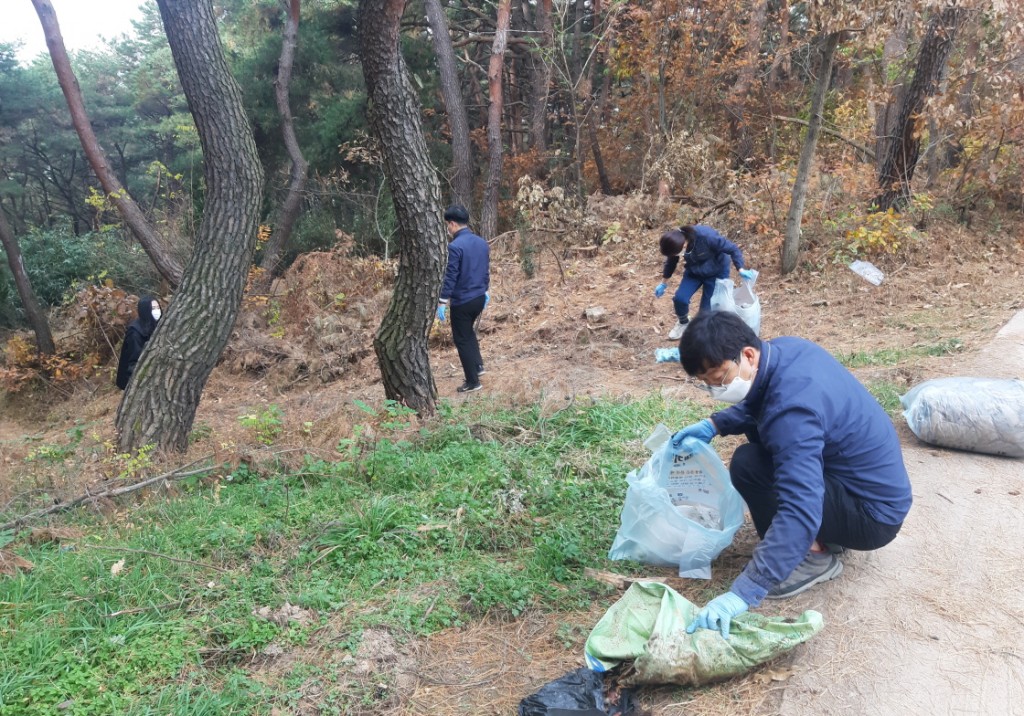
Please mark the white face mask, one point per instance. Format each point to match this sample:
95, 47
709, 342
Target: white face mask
735, 391
156, 314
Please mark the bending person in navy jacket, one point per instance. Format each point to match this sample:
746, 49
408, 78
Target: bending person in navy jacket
466, 282
822, 470
706, 258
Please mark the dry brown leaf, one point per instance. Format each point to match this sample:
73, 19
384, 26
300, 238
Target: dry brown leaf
42, 535
769, 675
10, 563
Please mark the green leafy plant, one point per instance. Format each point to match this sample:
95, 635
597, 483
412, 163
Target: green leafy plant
266, 424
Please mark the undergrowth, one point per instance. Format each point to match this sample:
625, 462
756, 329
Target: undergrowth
486, 510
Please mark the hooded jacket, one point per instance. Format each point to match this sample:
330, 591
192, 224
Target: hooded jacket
135, 339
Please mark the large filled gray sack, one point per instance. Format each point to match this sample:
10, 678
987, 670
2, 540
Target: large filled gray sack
977, 414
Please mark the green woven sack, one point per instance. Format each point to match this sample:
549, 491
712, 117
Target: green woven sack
648, 626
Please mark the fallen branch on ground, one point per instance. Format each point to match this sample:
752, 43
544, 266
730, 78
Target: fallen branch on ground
620, 581
832, 133
152, 554
716, 207
172, 476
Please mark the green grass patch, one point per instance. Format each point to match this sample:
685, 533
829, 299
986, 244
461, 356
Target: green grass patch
485, 510
894, 356
888, 395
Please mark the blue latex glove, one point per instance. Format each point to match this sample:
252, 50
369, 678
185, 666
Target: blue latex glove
747, 274
487, 298
659, 290
704, 430
442, 312
718, 614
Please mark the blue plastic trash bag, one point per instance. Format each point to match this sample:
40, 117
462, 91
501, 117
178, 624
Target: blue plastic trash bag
666, 355
681, 509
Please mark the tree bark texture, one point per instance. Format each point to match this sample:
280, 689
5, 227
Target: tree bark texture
782, 51
401, 340
300, 167
454, 104
901, 155
34, 314
895, 69
495, 151
160, 403
736, 104
791, 242
595, 119
541, 64
151, 241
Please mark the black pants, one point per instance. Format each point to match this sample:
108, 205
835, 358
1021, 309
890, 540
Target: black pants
463, 316
843, 521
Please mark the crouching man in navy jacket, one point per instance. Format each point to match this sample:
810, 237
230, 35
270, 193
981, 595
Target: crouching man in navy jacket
822, 470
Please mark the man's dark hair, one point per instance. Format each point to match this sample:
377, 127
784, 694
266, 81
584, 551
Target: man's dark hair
712, 338
672, 243
457, 213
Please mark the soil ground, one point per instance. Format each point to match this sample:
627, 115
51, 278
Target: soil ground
919, 627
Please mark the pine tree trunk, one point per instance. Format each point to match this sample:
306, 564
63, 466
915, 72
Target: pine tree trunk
900, 159
791, 242
401, 340
454, 105
151, 241
540, 71
594, 120
160, 403
743, 143
300, 167
495, 150
895, 71
782, 51
34, 314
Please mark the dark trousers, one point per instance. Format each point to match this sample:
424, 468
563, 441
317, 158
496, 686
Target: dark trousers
689, 286
463, 316
843, 521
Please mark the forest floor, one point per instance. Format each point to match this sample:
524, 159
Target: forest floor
932, 316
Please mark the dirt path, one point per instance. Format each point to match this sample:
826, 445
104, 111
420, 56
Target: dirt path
931, 624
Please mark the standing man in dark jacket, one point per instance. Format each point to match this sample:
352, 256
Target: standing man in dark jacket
466, 283
822, 470
706, 258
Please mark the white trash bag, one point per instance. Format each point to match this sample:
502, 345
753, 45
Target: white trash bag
740, 300
977, 414
681, 510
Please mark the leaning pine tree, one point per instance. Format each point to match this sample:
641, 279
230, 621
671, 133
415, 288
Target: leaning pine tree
160, 403
401, 340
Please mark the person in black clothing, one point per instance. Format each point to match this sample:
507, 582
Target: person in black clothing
465, 287
136, 337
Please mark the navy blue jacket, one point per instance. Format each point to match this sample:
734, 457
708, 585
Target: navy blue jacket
707, 258
814, 418
469, 268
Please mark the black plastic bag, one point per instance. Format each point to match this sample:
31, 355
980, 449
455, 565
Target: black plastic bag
578, 693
